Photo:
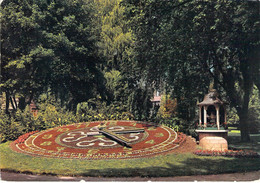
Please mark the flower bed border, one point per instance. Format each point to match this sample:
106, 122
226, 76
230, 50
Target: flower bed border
228, 153
22, 138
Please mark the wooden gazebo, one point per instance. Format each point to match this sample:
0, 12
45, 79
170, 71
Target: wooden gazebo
212, 128
212, 112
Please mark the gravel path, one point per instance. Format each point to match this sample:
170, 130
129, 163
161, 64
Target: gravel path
249, 176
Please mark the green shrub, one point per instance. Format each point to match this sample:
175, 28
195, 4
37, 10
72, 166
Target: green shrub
50, 116
9, 128
27, 120
96, 109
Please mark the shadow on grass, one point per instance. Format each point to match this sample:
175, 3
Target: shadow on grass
234, 142
192, 166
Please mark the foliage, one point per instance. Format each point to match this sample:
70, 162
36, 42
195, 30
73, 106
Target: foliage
21, 122
49, 45
116, 38
168, 107
123, 76
27, 120
95, 110
116, 87
50, 115
168, 115
254, 111
9, 128
121, 49
232, 117
189, 44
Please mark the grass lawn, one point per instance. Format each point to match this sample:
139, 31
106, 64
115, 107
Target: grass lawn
159, 166
234, 141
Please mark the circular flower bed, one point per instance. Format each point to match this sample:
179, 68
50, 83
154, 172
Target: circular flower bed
228, 153
23, 137
84, 141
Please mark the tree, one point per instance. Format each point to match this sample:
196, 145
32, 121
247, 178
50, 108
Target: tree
50, 46
225, 44
161, 52
23, 59
116, 46
202, 42
116, 38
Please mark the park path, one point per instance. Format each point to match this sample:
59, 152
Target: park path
248, 176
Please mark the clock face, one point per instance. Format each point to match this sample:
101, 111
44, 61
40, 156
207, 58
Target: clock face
85, 141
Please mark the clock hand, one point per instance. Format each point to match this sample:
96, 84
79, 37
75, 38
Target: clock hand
135, 130
121, 139
114, 134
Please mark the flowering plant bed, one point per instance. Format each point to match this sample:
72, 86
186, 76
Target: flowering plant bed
23, 137
84, 141
228, 153
181, 137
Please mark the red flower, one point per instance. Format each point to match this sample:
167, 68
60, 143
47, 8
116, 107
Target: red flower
23, 137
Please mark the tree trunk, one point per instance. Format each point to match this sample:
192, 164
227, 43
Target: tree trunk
243, 114
22, 103
243, 122
7, 96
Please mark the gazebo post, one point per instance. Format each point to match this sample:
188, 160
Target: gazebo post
217, 115
225, 114
205, 116
200, 116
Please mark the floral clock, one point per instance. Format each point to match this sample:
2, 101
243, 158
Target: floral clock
85, 141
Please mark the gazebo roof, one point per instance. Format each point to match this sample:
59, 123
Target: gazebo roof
211, 99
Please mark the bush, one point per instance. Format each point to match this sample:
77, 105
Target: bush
50, 116
167, 108
95, 110
26, 120
9, 128
21, 122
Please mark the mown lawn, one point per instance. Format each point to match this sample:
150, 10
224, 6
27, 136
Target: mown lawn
159, 166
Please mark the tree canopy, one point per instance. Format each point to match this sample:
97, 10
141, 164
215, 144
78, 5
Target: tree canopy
119, 51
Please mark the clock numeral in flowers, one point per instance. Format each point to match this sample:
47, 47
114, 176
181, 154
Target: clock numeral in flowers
72, 137
103, 142
63, 129
159, 135
60, 148
93, 151
46, 143
150, 142
47, 136
134, 136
